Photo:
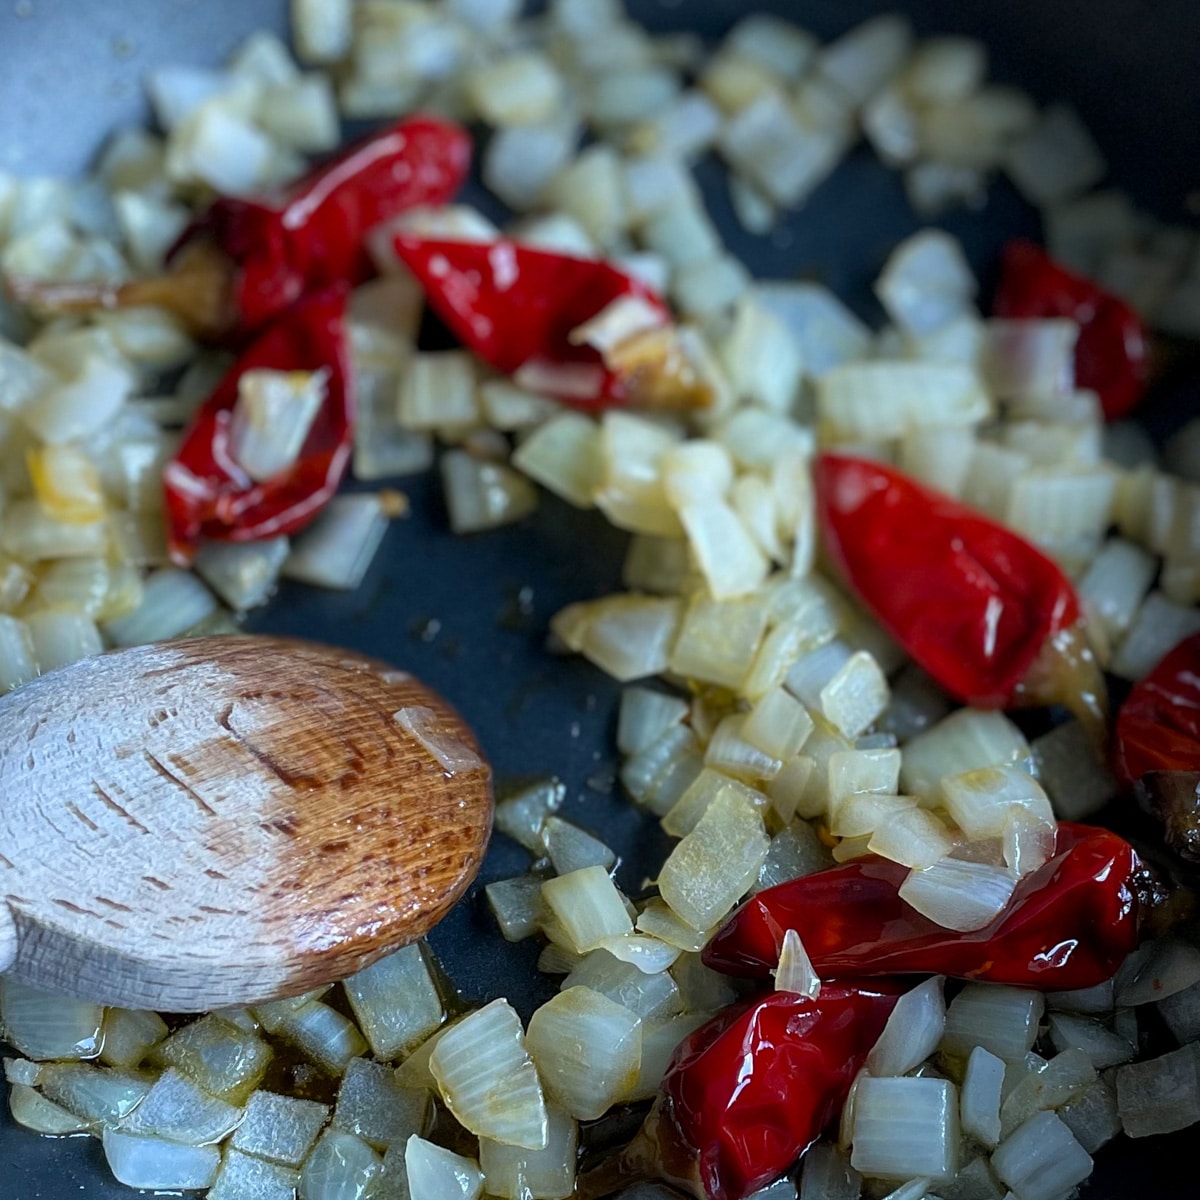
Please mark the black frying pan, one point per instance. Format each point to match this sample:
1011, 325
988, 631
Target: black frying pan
469, 615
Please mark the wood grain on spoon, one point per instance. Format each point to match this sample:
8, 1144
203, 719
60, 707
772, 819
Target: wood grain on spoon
217, 821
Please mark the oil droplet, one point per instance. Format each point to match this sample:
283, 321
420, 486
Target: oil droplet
425, 628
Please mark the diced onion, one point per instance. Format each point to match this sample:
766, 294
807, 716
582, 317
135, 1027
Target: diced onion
795, 972
1041, 1160
279, 1128
340, 1167
154, 1164
1002, 1019
588, 905
439, 1174
958, 895
395, 1002
336, 550
905, 1128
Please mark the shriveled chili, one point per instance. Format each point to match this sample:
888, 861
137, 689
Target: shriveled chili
747, 1093
1156, 746
517, 307
1069, 924
1112, 355
209, 496
244, 261
991, 618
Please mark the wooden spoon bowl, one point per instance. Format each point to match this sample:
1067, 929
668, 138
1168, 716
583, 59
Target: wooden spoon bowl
218, 821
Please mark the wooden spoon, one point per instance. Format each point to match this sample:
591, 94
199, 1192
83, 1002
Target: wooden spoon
219, 821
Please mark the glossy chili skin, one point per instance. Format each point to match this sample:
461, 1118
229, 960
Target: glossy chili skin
515, 306
969, 600
312, 235
747, 1093
209, 496
1156, 746
1069, 924
1112, 356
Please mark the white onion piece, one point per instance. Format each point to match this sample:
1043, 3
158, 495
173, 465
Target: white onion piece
243, 574
571, 848
826, 1174
563, 455
588, 906
517, 906
644, 716
323, 29
438, 1174
30, 535
395, 1002
97, 1095
966, 740
322, 1033
279, 1128
958, 895
1002, 1019
912, 1032
926, 283
272, 417
61, 637
659, 1042
653, 996
1093, 1118
861, 61
1159, 626
718, 638
373, 1106
154, 1164
486, 1077
522, 815
658, 920
520, 1174
42, 1025
433, 731
1041, 1160
588, 1050
1156, 970
224, 1059
1103, 1047
340, 1167
243, 1177
176, 1109
17, 661
905, 1128
1029, 360
1057, 160
981, 1094
483, 495
796, 972
338, 548
980, 801
521, 89
32, 1110
173, 601
520, 161
683, 129
716, 863
827, 331
778, 725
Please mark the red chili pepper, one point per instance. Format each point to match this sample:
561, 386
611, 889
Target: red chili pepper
207, 493
747, 1093
1069, 924
986, 614
242, 262
516, 307
1156, 745
1112, 354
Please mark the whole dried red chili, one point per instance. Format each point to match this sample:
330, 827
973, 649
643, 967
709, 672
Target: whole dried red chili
517, 306
986, 614
747, 1093
1112, 356
1156, 746
1069, 924
242, 262
209, 496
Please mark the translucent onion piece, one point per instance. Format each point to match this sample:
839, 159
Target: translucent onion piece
322, 1033
650, 955
795, 851
563, 455
703, 989
520, 161
826, 1174
176, 1109
982, 1086
522, 815
66, 484
716, 863
588, 906
904, 1128
1041, 1160
336, 550
172, 603
980, 800
957, 894
218, 1056
1002, 1019
1063, 1079
966, 740
243, 1177
645, 715
430, 729
1156, 970
31, 535
587, 1049
340, 1167
778, 725
271, 419
517, 906
699, 795
1093, 1118
659, 1041
154, 1164
912, 1032
95, 1094
926, 283
1057, 161
42, 1025
520, 1174
718, 638
571, 848
373, 1106
483, 495
438, 1174
32, 1110
243, 574
650, 996
627, 636
658, 920
487, 1079
795, 972
61, 637
279, 1128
